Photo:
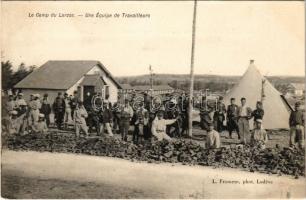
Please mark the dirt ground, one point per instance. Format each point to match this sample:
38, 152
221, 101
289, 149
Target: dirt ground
59, 175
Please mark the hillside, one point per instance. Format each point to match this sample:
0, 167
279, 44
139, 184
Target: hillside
216, 82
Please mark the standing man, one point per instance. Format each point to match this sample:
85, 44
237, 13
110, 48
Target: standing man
35, 105
46, 109
80, 116
232, 118
59, 110
125, 118
258, 113
219, 115
244, 115
67, 115
296, 123
107, 120
141, 122
73, 103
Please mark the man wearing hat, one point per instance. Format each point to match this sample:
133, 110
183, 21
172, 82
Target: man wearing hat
159, 126
259, 112
126, 114
14, 124
20, 100
80, 116
11, 104
219, 115
46, 109
40, 126
34, 106
296, 123
259, 135
232, 118
212, 138
67, 114
59, 110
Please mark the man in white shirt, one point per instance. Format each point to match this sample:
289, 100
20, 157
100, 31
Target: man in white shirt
259, 135
159, 126
244, 115
212, 138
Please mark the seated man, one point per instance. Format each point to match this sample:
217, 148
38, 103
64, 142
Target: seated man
159, 126
40, 126
259, 135
14, 123
212, 138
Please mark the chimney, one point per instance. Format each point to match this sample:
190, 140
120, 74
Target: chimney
251, 62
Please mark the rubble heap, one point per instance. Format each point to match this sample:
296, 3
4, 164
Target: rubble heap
251, 158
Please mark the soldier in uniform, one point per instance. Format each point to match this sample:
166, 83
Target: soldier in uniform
258, 113
206, 117
59, 110
141, 120
46, 109
232, 118
297, 129
172, 113
125, 119
73, 103
219, 115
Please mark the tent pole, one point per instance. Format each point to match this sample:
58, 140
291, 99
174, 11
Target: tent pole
190, 107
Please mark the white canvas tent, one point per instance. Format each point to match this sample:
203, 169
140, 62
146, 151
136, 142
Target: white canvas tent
251, 86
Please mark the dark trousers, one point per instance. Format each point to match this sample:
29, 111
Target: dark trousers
124, 128
59, 118
233, 126
47, 118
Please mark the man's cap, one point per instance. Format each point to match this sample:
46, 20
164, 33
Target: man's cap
259, 102
259, 120
221, 98
14, 112
37, 95
232, 98
298, 103
45, 95
243, 98
20, 94
41, 115
66, 94
59, 93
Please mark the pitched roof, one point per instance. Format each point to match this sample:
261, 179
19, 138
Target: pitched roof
60, 74
155, 87
93, 79
250, 86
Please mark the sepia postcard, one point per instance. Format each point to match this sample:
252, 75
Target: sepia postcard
153, 99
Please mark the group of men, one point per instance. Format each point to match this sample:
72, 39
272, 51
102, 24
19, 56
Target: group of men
218, 118
35, 116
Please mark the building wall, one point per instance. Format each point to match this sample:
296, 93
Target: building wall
113, 89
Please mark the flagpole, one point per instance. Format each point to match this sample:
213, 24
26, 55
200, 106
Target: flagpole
190, 107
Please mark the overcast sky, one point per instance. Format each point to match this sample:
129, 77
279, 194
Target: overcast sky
228, 35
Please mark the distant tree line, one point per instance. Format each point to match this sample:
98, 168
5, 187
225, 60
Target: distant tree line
11, 77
